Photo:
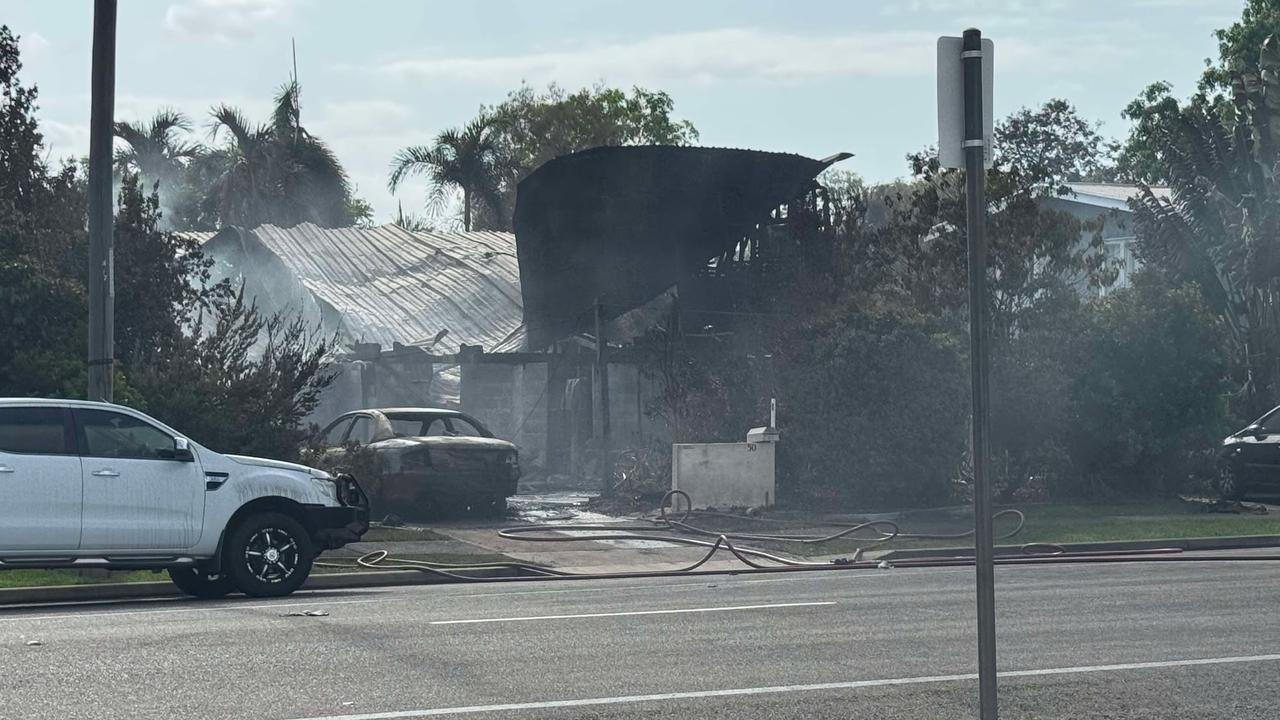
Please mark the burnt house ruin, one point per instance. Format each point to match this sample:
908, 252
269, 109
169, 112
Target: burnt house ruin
611, 242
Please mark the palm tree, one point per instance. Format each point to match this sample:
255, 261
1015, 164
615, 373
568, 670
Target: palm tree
155, 151
277, 172
243, 166
469, 159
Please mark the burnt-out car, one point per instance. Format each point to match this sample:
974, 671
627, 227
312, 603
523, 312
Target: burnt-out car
428, 461
1250, 459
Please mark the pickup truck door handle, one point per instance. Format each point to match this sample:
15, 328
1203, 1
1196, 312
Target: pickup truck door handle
105, 472
6, 469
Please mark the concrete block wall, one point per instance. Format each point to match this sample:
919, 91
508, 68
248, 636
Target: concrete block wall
511, 400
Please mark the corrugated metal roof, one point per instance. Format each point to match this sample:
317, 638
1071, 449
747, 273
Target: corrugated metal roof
392, 285
1109, 195
200, 236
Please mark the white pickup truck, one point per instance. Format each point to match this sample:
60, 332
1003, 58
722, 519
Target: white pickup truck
85, 485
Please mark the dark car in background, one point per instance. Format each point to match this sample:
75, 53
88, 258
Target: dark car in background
1251, 459
426, 461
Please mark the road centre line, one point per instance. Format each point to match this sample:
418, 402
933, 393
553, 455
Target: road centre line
630, 613
781, 689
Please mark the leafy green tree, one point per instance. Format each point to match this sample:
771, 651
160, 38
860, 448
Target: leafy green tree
1238, 45
42, 245
185, 351
469, 159
219, 390
1034, 250
165, 286
873, 406
536, 127
1218, 229
1147, 395
509, 140
1045, 148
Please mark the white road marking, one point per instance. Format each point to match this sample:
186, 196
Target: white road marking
400, 592
724, 581
779, 689
629, 613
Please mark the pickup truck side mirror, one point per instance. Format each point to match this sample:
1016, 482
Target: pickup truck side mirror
1257, 432
182, 450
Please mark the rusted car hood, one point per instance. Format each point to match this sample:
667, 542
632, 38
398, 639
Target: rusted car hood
460, 443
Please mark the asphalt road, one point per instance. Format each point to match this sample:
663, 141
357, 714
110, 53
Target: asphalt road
1111, 641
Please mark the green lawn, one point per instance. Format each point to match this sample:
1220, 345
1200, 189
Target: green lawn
38, 578
1074, 523
34, 578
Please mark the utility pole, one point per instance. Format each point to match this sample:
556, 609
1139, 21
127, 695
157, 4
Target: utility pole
976, 221
602, 373
102, 290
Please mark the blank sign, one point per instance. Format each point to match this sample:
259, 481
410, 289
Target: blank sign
951, 101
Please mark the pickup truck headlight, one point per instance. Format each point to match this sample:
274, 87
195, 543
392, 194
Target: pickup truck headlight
328, 488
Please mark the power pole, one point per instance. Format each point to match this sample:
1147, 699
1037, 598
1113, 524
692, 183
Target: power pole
976, 221
102, 289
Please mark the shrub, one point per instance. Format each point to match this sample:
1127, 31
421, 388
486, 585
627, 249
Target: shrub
872, 408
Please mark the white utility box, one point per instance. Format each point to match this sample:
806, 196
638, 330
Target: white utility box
727, 475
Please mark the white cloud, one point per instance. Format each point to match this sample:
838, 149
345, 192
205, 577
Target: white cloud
986, 7
359, 117
32, 45
65, 140
365, 134
700, 56
226, 20
742, 54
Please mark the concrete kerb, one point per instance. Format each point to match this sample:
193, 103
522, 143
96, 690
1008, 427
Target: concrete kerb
135, 590
386, 578
1239, 542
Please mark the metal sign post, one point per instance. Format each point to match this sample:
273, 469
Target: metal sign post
975, 61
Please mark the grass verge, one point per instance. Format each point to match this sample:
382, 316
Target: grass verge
1068, 523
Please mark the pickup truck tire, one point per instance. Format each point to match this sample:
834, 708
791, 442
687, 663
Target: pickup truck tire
196, 582
268, 555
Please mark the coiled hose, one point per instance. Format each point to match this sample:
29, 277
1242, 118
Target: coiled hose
666, 528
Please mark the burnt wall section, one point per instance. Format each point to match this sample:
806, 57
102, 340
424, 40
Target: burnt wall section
625, 224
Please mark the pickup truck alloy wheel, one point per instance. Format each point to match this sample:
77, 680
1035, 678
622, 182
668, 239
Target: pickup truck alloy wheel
272, 555
269, 554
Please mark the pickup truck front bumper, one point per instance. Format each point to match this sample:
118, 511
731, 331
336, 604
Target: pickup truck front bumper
333, 527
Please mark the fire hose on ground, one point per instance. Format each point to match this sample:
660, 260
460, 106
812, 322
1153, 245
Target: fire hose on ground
672, 529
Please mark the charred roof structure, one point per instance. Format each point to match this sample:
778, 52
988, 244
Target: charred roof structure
381, 284
627, 224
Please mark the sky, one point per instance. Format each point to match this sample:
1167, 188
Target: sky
813, 77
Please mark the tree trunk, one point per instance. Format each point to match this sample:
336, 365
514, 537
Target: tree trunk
466, 208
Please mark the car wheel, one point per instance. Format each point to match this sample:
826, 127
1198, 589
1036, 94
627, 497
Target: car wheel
268, 555
197, 582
